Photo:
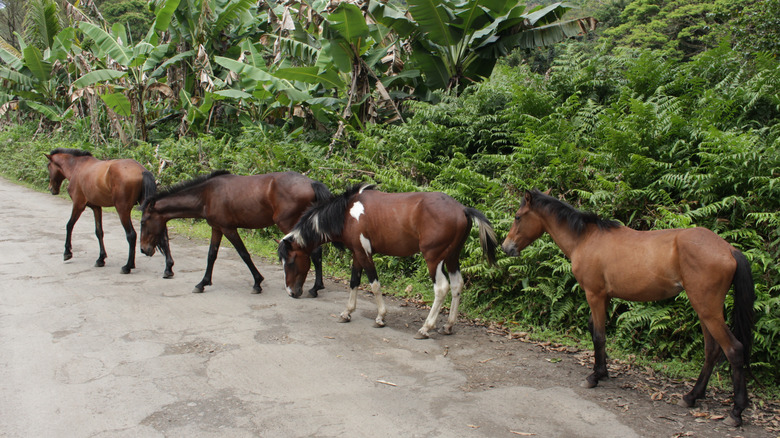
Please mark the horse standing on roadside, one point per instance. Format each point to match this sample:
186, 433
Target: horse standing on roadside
229, 202
97, 183
370, 222
613, 261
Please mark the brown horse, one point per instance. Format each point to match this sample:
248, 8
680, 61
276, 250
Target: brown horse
95, 184
369, 222
612, 261
229, 202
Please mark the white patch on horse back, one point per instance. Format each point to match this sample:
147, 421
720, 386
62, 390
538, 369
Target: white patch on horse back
356, 210
366, 244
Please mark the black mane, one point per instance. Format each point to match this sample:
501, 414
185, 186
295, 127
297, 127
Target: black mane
324, 221
179, 187
74, 152
577, 220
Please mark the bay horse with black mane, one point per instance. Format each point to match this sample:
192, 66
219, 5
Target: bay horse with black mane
613, 261
229, 202
97, 183
369, 222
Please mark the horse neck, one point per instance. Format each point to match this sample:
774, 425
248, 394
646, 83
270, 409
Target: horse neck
70, 164
560, 232
185, 204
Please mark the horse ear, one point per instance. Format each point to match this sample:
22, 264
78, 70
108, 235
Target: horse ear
527, 197
47, 156
547, 192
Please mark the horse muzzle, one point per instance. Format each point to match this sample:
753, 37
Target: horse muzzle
147, 252
510, 248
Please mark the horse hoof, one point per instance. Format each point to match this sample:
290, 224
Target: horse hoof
256, 289
125, 270
421, 335
313, 293
342, 319
168, 275
445, 330
733, 420
685, 404
67, 256
100, 264
379, 324
198, 290
587, 384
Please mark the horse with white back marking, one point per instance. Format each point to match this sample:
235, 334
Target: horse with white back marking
369, 222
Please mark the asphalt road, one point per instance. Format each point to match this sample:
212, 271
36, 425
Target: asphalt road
90, 352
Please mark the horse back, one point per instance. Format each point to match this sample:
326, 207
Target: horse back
403, 224
257, 201
108, 183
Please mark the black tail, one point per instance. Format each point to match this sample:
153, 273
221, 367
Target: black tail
321, 192
744, 297
149, 187
487, 237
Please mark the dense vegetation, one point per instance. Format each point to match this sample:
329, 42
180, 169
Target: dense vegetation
650, 128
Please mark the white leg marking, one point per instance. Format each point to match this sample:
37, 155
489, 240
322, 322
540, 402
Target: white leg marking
439, 292
366, 244
356, 210
346, 315
381, 311
456, 285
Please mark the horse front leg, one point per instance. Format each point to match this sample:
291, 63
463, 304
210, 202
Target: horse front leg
440, 287
354, 282
316, 260
75, 213
98, 213
235, 239
130, 234
597, 325
216, 238
165, 248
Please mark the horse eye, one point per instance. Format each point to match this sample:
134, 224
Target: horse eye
517, 218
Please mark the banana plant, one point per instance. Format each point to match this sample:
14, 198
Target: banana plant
34, 77
456, 43
129, 74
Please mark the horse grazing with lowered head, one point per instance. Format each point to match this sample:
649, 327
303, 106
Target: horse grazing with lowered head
613, 261
369, 222
229, 202
97, 183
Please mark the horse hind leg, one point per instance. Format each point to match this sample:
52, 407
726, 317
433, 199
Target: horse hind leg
98, 213
130, 234
235, 239
381, 310
440, 286
712, 352
456, 287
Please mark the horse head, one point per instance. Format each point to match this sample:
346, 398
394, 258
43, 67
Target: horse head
56, 175
153, 230
526, 227
296, 261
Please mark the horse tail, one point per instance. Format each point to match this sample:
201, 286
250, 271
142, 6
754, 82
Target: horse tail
744, 297
149, 187
321, 192
487, 237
